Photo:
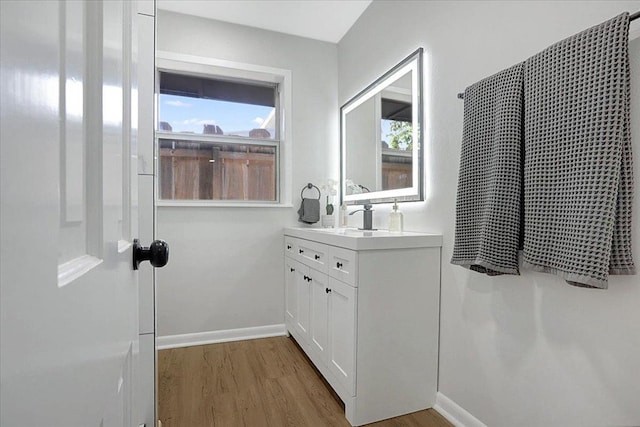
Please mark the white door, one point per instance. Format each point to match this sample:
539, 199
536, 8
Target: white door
69, 297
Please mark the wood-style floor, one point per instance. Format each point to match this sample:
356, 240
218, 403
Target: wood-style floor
256, 383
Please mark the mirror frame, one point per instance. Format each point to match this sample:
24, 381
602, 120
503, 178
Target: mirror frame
410, 194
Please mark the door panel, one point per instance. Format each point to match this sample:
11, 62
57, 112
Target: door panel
319, 306
73, 203
302, 294
146, 395
146, 88
69, 341
290, 290
144, 74
146, 291
342, 333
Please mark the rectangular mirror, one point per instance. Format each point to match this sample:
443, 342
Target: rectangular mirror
381, 138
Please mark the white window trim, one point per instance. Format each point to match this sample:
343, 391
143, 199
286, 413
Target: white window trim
177, 62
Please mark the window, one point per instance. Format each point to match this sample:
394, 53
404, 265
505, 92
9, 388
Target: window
219, 138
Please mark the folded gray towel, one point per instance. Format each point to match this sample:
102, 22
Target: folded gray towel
578, 182
309, 211
488, 207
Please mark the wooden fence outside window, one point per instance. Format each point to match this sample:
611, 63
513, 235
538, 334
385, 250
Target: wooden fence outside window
204, 171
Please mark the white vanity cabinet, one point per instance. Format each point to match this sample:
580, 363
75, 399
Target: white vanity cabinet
364, 308
317, 309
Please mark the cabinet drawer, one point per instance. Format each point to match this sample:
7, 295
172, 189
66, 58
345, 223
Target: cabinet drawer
313, 254
290, 246
343, 265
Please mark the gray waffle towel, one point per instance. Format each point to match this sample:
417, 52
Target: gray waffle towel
488, 207
309, 211
578, 182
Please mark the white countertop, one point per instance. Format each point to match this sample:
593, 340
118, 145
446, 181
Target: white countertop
363, 240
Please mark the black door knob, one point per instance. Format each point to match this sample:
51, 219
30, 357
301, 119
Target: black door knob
157, 254
327, 290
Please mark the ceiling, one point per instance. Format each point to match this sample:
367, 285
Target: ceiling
326, 20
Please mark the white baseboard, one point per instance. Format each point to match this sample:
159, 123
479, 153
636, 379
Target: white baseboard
455, 413
212, 337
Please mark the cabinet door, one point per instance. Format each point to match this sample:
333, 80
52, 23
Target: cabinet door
303, 300
342, 333
319, 310
290, 300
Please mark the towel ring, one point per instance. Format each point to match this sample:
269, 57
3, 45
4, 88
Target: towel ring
310, 186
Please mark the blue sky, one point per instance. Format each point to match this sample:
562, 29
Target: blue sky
186, 114
386, 128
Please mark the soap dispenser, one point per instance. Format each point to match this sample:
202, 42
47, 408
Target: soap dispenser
395, 219
344, 216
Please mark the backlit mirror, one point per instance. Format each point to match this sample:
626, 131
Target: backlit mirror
381, 138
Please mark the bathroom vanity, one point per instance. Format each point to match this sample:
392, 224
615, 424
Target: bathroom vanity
363, 305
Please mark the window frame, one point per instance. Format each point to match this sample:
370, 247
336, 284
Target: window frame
241, 72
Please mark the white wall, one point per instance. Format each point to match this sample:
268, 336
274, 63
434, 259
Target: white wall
515, 351
226, 264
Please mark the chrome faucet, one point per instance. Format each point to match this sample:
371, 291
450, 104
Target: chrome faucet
367, 217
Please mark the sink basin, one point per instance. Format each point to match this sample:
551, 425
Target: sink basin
355, 232
353, 238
